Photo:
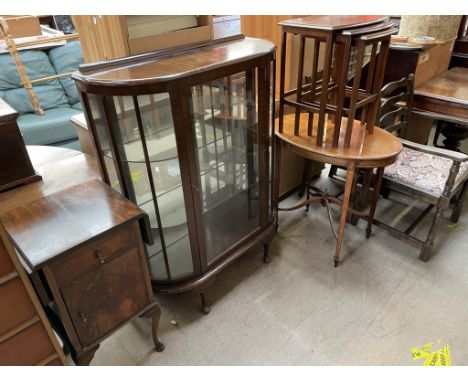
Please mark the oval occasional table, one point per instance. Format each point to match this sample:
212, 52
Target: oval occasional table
375, 150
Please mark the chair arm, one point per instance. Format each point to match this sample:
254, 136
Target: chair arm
449, 154
441, 117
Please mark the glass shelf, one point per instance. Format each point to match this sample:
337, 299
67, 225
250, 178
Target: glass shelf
180, 265
172, 236
171, 209
160, 149
166, 178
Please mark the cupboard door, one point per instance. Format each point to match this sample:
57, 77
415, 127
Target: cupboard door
226, 138
106, 297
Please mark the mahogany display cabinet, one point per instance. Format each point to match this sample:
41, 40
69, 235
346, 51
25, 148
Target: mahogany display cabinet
186, 134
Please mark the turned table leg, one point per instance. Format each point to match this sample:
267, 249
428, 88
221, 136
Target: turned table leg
375, 198
344, 211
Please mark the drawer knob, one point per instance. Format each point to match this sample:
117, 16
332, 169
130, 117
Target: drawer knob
83, 317
98, 256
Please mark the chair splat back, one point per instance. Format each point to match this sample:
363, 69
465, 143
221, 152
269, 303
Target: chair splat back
395, 109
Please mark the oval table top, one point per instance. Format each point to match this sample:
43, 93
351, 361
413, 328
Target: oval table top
376, 150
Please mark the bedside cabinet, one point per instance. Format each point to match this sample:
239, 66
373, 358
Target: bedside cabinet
88, 261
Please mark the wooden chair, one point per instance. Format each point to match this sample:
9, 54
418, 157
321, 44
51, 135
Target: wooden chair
436, 176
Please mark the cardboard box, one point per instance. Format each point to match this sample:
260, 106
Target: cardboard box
203, 32
433, 62
23, 26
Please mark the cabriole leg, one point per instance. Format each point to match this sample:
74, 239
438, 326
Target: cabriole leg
205, 307
266, 256
155, 315
85, 358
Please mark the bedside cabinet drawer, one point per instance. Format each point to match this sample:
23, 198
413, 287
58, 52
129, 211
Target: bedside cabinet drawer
94, 254
105, 297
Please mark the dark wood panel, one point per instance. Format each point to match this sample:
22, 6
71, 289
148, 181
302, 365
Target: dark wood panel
27, 347
100, 300
15, 305
6, 266
15, 165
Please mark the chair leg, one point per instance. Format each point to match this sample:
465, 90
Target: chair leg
360, 198
332, 171
426, 250
443, 203
436, 135
385, 192
344, 210
458, 205
305, 178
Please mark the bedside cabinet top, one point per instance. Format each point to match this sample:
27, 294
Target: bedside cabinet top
47, 227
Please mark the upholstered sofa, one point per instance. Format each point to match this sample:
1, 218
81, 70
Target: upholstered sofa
57, 97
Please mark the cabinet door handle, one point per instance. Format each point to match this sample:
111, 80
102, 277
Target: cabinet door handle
98, 256
83, 317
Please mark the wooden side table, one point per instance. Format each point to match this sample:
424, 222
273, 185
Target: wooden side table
367, 151
84, 247
336, 137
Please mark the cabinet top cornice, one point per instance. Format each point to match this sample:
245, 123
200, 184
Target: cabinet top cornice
173, 64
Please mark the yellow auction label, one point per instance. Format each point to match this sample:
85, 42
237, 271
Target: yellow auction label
421, 351
439, 358
455, 226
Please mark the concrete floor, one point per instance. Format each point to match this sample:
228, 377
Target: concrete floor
300, 310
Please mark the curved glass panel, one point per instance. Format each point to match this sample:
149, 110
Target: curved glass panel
142, 147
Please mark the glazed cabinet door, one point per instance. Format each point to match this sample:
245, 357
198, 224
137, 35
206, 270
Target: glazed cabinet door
230, 135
